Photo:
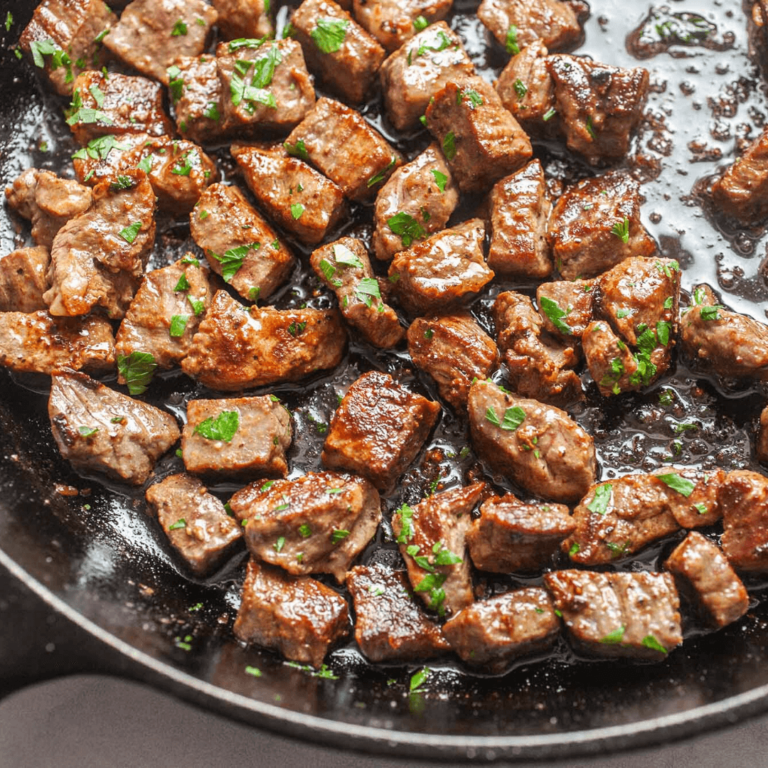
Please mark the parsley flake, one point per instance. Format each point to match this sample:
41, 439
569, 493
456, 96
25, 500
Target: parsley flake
406, 227
556, 314
615, 637
179, 29
600, 499
338, 535
222, 428
677, 483
521, 89
381, 175
178, 326
449, 145
299, 150
418, 679
329, 34
296, 210
649, 641
621, 230
511, 43
440, 179
137, 369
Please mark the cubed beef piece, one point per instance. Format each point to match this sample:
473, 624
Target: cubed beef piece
117, 104
493, 632
393, 23
537, 446
103, 157
599, 105
520, 208
423, 189
239, 243
389, 624
318, 523
454, 350
728, 343
341, 144
596, 224
345, 268
98, 257
744, 500
152, 34
339, 52
197, 98
566, 307
165, 313
481, 141
442, 270
244, 18
293, 193
195, 522
299, 617
432, 539
71, 33
703, 573
634, 615
411, 76
761, 443
47, 201
39, 343
238, 348
100, 430
512, 536
23, 279
265, 88
378, 429
517, 23
742, 191
539, 364
243, 437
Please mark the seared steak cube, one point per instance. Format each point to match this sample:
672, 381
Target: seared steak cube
39, 343
103, 157
242, 437
744, 499
596, 224
343, 146
100, 430
454, 350
293, 193
23, 279
568, 303
343, 56
378, 429
393, 23
512, 536
742, 191
432, 539
633, 615
761, 444
345, 268
389, 623
423, 189
244, 19
537, 446
704, 572
612, 363
481, 141
520, 208
195, 522
239, 243
197, 98
441, 271
152, 34
299, 617
493, 632
318, 523
237, 348
411, 76
165, 313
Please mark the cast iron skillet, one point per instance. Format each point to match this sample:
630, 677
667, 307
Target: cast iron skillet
126, 607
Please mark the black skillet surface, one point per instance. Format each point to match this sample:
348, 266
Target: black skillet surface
126, 605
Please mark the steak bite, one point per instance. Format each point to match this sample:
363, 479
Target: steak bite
237, 348
197, 98
195, 522
103, 156
244, 19
378, 429
23, 279
39, 343
411, 76
239, 243
389, 624
345, 268
566, 307
293, 193
318, 523
299, 617
423, 189
537, 446
98, 257
599, 105
481, 141
634, 615
744, 499
100, 430
511, 536
493, 632
393, 23
165, 312
441, 271
47, 201
344, 147
454, 350
152, 34
432, 542
701, 570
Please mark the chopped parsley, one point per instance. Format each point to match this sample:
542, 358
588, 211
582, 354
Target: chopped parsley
181, 523
179, 29
299, 150
615, 637
662, 332
433, 583
513, 418
182, 284
233, 259
9, 21
443, 42
99, 148
305, 531
296, 329
254, 671
87, 431
418, 679
549, 114
367, 290
449, 145
345, 257
329, 34
701, 508
677, 483
521, 89
419, 23
666, 397
223, 427
556, 314
280, 543
338, 535
406, 524
198, 305
137, 369
296, 210
475, 100
406, 227
381, 175
428, 334
600, 499
440, 179
178, 326
649, 641
668, 302
245, 42
621, 230
129, 234
574, 549
711, 313
511, 43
